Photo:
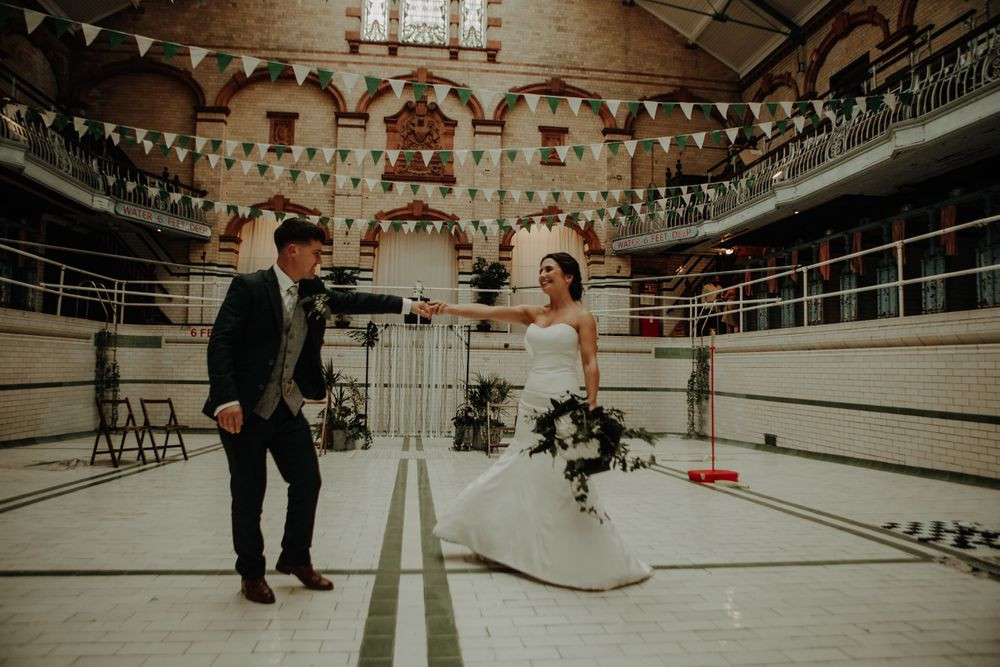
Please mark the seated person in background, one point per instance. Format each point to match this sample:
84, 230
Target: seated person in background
711, 291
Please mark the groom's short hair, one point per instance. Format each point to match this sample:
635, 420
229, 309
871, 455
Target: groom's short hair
297, 230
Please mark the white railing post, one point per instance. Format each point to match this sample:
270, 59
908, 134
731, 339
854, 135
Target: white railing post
62, 279
739, 289
805, 295
900, 248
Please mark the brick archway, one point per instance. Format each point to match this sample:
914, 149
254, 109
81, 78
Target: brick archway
556, 86
591, 242
277, 203
239, 81
415, 210
772, 82
140, 66
420, 75
681, 94
841, 27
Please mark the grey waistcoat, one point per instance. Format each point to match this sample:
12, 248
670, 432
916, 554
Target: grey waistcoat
281, 385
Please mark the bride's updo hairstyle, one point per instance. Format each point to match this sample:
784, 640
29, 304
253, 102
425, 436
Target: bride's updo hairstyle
569, 267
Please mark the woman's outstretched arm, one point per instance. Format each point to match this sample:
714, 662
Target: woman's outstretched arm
588, 355
479, 311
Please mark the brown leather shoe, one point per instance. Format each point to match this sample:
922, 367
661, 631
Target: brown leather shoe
257, 590
309, 577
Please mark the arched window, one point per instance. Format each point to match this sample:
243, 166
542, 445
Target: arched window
530, 247
426, 22
403, 259
257, 249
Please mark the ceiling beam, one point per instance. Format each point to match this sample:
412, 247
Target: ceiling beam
765, 6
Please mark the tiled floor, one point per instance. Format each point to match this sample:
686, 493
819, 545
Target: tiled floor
133, 567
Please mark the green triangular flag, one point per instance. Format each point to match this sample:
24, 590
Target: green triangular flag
647, 145
707, 110
782, 125
376, 156
555, 196
262, 168
397, 226
115, 38
545, 152
343, 153
231, 209
324, 177
372, 83
386, 185
310, 153
165, 150
169, 49
613, 147
408, 156
633, 108
681, 141
414, 187
255, 212
207, 205
549, 221
553, 103
279, 150
215, 145
229, 162
512, 154
294, 173
325, 76
444, 191
874, 103
247, 148
604, 195
472, 192
444, 156
578, 149
274, 69
906, 98
195, 156
501, 194
530, 194
62, 25
279, 215
511, 99
355, 181
815, 120
477, 155
182, 140
716, 136
463, 94
418, 90
772, 108
580, 195
223, 60
803, 107
748, 131
738, 109
668, 108
595, 106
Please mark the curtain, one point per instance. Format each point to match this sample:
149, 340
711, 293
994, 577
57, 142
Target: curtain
403, 259
529, 248
257, 250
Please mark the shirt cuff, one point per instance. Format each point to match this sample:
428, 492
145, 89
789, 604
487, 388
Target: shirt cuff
407, 304
224, 406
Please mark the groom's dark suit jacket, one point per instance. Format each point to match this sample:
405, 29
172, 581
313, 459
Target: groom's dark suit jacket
247, 335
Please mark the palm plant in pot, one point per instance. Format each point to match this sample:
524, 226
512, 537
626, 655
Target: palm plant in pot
485, 390
345, 423
487, 277
464, 422
341, 276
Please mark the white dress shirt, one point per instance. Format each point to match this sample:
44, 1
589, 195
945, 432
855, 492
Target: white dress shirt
289, 297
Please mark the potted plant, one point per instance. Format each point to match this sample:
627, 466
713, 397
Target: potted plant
486, 389
341, 276
358, 435
464, 421
343, 410
490, 276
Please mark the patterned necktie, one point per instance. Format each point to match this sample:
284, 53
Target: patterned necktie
291, 296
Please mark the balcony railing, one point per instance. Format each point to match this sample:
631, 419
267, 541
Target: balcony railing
974, 66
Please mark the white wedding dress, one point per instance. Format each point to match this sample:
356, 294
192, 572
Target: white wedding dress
521, 511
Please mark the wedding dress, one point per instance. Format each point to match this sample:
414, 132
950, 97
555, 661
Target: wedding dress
521, 512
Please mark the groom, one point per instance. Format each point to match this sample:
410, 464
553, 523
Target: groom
263, 360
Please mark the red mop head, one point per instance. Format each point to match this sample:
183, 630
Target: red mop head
709, 476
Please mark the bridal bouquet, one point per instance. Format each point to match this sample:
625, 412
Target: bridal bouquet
589, 441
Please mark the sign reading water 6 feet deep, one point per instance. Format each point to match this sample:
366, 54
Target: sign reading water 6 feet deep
162, 220
652, 239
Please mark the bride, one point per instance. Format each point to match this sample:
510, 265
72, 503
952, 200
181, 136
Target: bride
521, 512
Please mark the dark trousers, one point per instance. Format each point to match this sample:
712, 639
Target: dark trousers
290, 443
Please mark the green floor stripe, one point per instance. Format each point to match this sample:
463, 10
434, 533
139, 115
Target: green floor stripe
442, 635
379, 640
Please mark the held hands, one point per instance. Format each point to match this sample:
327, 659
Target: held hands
422, 309
438, 307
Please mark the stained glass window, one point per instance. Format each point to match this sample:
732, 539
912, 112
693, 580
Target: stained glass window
424, 21
472, 24
375, 21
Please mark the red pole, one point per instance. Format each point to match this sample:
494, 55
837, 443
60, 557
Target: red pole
711, 374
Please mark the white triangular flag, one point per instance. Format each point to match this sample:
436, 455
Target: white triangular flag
115, 138
426, 156
516, 194
267, 215
310, 175
494, 154
818, 107
664, 143
399, 187
562, 152
460, 156
686, 197
429, 189
486, 98
328, 154
301, 73
593, 195
385, 225
532, 100
890, 100
766, 128
723, 108
732, 132
754, 109
48, 117
81, 125
371, 183
349, 79
199, 143
786, 106
244, 211
144, 44
613, 106
799, 122
651, 107
262, 149
130, 186
249, 64
297, 152
596, 150
341, 180
32, 19
542, 195
197, 55
392, 156
441, 91
109, 130
90, 33
181, 153
699, 139
630, 147
410, 226
574, 104
397, 86
359, 155
488, 194
246, 166
231, 146
527, 152
168, 138
174, 197
686, 107
437, 225
147, 145
213, 160
152, 192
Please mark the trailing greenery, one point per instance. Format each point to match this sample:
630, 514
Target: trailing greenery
107, 375
368, 337
464, 422
345, 404
697, 391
